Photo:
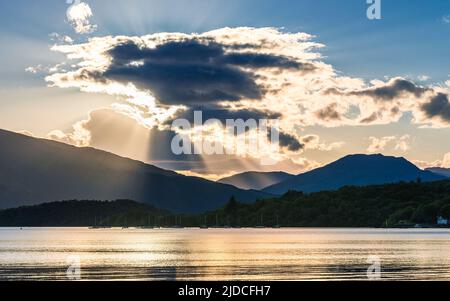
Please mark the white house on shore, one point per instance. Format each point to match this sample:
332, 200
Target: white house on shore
442, 221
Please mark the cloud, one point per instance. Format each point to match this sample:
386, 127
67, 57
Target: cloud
44, 69
424, 78
26, 133
241, 73
386, 102
403, 143
34, 69
227, 74
392, 90
56, 37
223, 114
378, 145
290, 142
373, 117
425, 164
446, 161
79, 15
329, 113
438, 107
192, 71
80, 136
313, 142
443, 163
239, 69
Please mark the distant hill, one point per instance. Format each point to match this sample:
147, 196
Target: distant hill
34, 171
357, 170
256, 180
440, 171
82, 214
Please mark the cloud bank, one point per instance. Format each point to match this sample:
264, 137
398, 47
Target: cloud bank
242, 73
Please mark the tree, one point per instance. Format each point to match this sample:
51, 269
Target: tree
231, 209
445, 211
425, 214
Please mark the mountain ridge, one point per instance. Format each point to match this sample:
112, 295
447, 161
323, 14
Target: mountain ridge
256, 180
355, 170
440, 171
39, 170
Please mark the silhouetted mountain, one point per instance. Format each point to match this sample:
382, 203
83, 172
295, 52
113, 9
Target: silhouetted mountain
256, 180
83, 214
440, 171
356, 170
34, 171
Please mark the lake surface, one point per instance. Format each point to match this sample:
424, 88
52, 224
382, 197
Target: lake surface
224, 254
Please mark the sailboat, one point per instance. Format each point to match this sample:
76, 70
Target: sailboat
261, 226
204, 226
277, 225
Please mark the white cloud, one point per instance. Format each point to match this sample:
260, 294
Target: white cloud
313, 142
26, 133
446, 161
46, 69
79, 15
424, 78
447, 83
56, 37
80, 136
403, 143
425, 164
34, 69
379, 144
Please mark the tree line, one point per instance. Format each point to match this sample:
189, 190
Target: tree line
391, 205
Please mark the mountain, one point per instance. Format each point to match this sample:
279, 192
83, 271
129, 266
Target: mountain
34, 171
440, 171
355, 170
256, 180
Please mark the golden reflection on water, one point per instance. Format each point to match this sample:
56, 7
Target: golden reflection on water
225, 254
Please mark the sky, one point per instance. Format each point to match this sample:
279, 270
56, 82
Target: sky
115, 74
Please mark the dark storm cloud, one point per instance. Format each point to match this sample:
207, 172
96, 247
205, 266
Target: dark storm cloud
388, 92
392, 90
288, 141
190, 72
254, 60
439, 106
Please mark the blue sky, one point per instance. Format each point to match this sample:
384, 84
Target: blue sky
411, 41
